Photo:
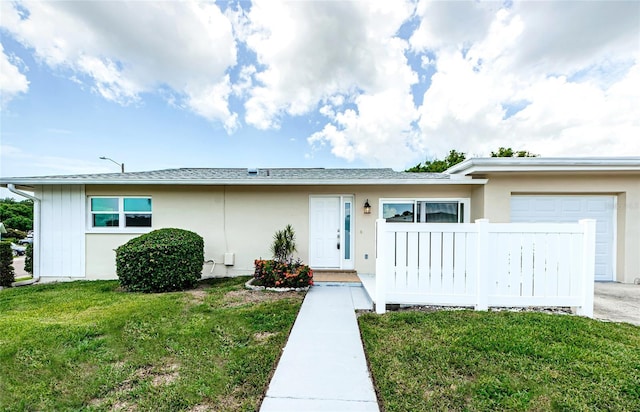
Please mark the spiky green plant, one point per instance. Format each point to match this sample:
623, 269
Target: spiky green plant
284, 244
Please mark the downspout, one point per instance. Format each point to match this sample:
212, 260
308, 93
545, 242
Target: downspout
36, 229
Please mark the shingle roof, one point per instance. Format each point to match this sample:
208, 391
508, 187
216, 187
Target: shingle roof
263, 176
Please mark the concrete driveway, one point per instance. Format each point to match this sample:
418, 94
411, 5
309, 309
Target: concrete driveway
617, 302
18, 267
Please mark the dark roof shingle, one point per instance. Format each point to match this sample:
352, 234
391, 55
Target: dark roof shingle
235, 176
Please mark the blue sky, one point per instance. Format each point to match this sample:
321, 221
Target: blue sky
312, 84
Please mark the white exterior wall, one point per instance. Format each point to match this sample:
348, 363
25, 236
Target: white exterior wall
61, 233
243, 219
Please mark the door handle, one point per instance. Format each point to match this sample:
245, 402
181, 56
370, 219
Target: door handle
338, 244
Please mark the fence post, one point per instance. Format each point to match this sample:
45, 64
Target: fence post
381, 266
587, 277
482, 259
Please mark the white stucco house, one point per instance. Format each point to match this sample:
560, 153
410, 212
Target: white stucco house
81, 219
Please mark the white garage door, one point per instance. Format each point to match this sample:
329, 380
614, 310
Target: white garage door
571, 209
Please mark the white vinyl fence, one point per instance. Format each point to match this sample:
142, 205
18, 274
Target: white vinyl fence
486, 264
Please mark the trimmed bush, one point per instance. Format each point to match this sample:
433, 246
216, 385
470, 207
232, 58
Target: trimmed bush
164, 260
28, 260
7, 274
275, 274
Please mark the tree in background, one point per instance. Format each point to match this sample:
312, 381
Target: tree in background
16, 214
509, 152
438, 166
454, 157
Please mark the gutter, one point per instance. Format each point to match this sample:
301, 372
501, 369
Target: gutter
36, 231
544, 164
452, 180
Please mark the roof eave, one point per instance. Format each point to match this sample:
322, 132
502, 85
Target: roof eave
19, 186
511, 165
26, 183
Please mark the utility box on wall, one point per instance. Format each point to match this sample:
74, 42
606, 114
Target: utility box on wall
229, 259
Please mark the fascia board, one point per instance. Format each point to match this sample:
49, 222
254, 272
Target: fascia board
256, 182
559, 168
490, 165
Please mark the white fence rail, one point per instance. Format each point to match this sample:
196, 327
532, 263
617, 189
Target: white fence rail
486, 264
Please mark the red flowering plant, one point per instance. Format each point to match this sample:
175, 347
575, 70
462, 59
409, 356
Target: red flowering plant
283, 271
275, 274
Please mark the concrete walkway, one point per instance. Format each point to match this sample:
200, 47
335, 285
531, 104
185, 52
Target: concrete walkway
323, 367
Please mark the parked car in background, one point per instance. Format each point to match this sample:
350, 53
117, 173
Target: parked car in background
26, 240
18, 250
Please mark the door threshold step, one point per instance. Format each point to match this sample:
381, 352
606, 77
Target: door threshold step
349, 276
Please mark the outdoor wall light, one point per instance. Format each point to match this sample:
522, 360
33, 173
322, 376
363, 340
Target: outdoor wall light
367, 207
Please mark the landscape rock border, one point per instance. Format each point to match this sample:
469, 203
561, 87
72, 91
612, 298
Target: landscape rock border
249, 285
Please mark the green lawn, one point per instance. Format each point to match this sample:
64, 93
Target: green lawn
88, 346
487, 361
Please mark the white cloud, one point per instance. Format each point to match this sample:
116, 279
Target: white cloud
378, 131
129, 48
565, 107
563, 37
568, 118
12, 81
245, 80
555, 78
109, 80
311, 51
211, 103
580, 87
445, 24
342, 60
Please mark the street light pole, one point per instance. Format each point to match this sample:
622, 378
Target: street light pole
119, 164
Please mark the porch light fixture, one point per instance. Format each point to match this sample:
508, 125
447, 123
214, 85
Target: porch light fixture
119, 164
367, 207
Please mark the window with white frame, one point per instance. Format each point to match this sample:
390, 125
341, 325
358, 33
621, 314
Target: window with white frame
119, 212
425, 210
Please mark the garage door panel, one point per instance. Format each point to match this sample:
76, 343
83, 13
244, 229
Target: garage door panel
565, 209
541, 206
544, 205
571, 207
601, 268
597, 206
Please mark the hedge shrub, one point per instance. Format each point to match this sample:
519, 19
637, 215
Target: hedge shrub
164, 260
7, 274
28, 259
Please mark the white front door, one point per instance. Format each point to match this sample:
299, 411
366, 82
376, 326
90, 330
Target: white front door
330, 232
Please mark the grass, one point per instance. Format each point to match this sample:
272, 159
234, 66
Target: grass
487, 361
88, 346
